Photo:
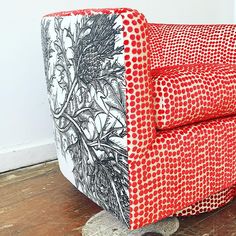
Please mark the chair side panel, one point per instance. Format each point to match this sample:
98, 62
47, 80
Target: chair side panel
84, 68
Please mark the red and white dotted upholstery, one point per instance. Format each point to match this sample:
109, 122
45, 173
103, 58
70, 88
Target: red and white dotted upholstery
211, 203
193, 93
180, 133
188, 44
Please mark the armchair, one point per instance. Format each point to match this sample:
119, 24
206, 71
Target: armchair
144, 114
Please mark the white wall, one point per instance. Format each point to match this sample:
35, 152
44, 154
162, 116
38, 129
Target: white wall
25, 124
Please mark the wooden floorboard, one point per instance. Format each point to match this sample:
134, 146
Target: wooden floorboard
40, 201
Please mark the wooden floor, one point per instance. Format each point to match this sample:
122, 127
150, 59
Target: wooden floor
40, 201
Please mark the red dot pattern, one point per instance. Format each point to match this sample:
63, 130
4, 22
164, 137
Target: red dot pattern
89, 11
190, 44
179, 168
184, 170
193, 93
210, 203
184, 166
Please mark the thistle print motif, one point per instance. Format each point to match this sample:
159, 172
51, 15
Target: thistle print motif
84, 69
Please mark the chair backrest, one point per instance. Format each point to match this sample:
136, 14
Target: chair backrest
176, 44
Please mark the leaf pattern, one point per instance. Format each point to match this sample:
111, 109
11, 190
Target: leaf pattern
85, 80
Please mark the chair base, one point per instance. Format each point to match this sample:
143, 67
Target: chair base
106, 224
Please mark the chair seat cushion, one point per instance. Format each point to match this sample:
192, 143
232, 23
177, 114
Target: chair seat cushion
185, 94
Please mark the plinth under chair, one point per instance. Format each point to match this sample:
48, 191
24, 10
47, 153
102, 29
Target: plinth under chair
144, 114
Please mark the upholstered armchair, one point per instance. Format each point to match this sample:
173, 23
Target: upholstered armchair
144, 114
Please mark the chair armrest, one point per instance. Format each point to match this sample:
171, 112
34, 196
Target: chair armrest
134, 57
97, 69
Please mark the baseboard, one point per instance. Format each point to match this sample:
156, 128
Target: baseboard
26, 156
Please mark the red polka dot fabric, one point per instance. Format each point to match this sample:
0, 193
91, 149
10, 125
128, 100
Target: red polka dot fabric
192, 93
189, 44
211, 203
182, 170
188, 164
